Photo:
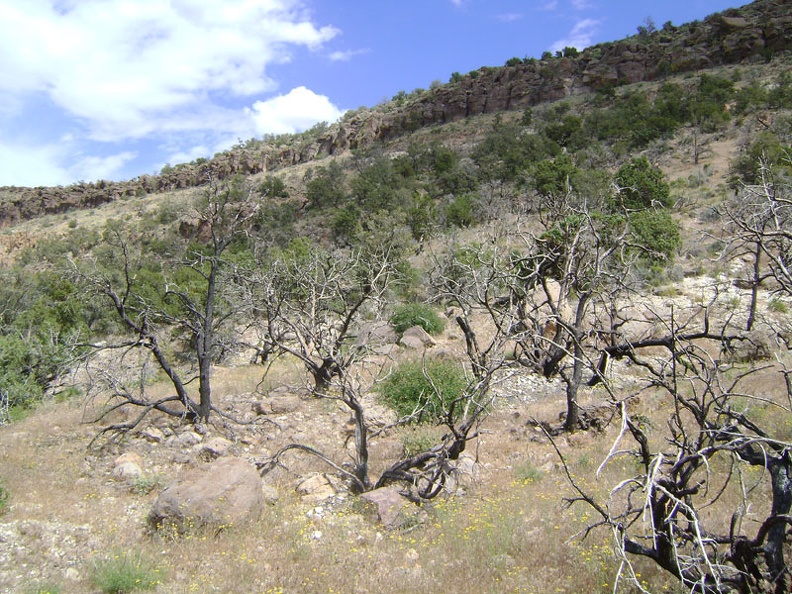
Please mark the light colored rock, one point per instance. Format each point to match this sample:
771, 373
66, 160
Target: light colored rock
270, 494
376, 334
317, 487
416, 338
278, 404
216, 447
127, 471
133, 457
390, 507
225, 492
189, 438
153, 434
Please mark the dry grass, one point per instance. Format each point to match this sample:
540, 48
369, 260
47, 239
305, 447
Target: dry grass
510, 532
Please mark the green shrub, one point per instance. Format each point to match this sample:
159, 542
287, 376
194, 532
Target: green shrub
461, 211
657, 232
419, 440
642, 185
426, 389
124, 571
416, 314
4, 496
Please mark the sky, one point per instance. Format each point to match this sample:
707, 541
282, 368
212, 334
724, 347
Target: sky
114, 89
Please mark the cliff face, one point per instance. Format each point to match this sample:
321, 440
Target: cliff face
754, 32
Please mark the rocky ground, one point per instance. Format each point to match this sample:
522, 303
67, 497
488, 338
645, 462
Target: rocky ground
70, 500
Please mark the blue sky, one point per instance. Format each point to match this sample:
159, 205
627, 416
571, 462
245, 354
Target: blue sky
112, 89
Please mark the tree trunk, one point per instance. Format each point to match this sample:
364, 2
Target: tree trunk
204, 345
781, 478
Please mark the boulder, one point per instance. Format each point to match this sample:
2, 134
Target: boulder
416, 338
225, 492
391, 508
216, 447
317, 487
128, 466
375, 334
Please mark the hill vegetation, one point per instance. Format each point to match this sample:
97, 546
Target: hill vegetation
577, 295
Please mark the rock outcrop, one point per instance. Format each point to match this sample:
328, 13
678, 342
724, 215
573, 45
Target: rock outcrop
756, 31
223, 493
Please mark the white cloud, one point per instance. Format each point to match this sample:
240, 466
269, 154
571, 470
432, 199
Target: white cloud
298, 110
93, 168
32, 166
125, 67
55, 164
509, 17
580, 37
345, 56
582, 4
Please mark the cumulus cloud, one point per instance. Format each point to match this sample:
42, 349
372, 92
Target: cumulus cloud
115, 64
55, 164
581, 36
509, 17
115, 71
293, 112
345, 56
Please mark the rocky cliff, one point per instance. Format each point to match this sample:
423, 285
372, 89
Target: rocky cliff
757, 31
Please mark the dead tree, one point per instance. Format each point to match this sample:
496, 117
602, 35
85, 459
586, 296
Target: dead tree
759, 228
693, 471
320, 312
198, 304
556, 288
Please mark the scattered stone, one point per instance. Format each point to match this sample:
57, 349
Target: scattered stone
153, 434
318, 487
189, 438
133, 457
127, 471
270, 494
392, 509
277, 405
128, 466
376, 334
225, 492
416, 338
466, 471
216, 447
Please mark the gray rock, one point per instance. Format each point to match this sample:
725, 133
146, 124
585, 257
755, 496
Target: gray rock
216, 447
225, 492
390, 507
416, 338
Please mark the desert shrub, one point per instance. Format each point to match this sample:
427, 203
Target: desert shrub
124, 571
273, 187
4, 496
642, 185
461, 211
417, 440
416, 314
425, 389
657, 232
777, 306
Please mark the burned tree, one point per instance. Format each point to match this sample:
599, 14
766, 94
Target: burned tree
190, 297
692, 508
320, 305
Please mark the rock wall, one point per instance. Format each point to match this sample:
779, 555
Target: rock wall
754, 32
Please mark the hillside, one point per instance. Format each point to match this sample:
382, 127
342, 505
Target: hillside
751, 34
527, 331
